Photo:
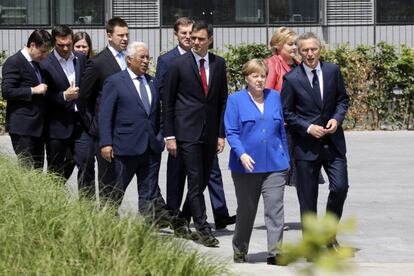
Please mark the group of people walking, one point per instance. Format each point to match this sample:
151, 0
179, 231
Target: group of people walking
80, 107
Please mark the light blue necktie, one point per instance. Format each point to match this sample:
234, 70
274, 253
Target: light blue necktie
121, 57
144, 94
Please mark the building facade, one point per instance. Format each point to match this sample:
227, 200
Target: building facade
235, 21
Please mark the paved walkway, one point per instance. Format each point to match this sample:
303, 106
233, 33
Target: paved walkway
381, 198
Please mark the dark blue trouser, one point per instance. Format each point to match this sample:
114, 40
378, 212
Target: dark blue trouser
145, 167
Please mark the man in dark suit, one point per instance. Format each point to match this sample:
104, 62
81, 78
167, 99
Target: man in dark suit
64, 69
129, 127
194, 99
175, 168
23, 87
315, 103
109, 61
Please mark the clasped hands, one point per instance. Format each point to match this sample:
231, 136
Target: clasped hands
320, 131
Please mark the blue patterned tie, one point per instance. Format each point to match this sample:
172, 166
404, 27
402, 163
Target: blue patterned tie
144, 94
121, 57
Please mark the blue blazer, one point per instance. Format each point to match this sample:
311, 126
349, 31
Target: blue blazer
123, 121
60, 113
162, 67
303, 107
262, 136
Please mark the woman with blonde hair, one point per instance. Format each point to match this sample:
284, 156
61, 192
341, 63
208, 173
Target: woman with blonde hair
259, 159
284, 49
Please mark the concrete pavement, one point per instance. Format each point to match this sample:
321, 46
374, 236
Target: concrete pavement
381, 198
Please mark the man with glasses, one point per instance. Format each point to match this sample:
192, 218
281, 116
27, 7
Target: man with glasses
129, 128
23, 86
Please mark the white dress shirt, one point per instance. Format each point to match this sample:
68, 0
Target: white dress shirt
309, 74
136, 82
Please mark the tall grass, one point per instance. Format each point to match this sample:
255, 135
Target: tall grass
44, 231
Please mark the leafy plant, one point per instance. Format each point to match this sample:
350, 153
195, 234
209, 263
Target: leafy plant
317, 233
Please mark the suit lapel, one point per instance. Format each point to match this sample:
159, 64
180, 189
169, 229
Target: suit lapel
112, 60
29, 67
195, 71
76, 65
304, 81
154, 95
55, 63
212, 66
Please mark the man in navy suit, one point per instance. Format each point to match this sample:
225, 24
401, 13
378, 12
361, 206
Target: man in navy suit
175, 168
315, 103
109, 61
64, 69
23, 87
129, 127
194, 99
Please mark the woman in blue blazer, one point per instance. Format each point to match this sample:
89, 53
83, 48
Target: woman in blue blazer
259, 159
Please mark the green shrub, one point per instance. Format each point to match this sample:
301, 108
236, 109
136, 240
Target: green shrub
2, 102
44, 231
236, 57
316, 234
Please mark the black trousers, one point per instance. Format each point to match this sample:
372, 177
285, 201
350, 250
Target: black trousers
81, 147
30, 150
175, 188
335, 166
197, 158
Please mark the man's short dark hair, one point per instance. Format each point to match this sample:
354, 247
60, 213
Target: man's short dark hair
39, 37
61, 30
182, 21
202, 25
115, 22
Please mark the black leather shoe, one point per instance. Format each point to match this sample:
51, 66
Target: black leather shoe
334, 246
239, 257
205, 238
221, 223
183, 231
276, 260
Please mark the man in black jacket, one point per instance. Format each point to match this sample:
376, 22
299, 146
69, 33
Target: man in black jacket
23, 87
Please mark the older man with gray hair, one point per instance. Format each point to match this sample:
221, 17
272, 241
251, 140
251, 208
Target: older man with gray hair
130, 127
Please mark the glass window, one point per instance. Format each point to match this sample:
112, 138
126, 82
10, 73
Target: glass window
294, 11
80, 12
395, 11
219, 12
24, 12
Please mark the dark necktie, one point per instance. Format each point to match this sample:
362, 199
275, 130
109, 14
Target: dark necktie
37, 70
315, 84
203, 76
144, 94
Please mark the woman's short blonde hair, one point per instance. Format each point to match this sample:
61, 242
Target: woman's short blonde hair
280, 37
255, 65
